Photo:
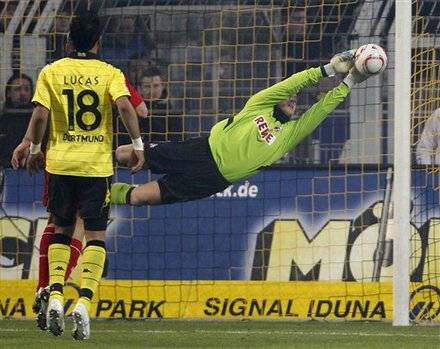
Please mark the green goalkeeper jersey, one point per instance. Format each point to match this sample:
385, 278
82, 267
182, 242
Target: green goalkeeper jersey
254, 138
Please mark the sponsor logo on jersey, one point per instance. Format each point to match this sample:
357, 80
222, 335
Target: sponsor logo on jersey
263, 129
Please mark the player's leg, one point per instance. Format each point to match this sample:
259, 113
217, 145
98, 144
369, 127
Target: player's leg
161, 158
76, 246
46, 239
144, 194
42, 295
63, 208
59, 256
190, 174
95, 212
93, 261
123, 153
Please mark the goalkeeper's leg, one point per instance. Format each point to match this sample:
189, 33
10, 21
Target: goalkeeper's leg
136, 195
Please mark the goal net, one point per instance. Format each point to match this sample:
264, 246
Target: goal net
312, 236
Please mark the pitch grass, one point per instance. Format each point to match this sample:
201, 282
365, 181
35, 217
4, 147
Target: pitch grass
223, 334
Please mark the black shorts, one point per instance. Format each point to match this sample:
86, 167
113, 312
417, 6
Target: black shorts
190, 170
90, 196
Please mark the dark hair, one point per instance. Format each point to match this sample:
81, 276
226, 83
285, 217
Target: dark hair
85, 30
151, 71
8, 102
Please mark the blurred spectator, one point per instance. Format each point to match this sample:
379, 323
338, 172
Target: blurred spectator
227, 81
297, 24
163, 124
16, 114
57, 38
7, 14
153, 89
428, 149
294, 36
19, 91
305, 47
126, 37
135, 66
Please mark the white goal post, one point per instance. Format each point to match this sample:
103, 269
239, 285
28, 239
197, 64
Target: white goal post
402, 162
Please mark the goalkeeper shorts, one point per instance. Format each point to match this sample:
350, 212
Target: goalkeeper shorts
190, 170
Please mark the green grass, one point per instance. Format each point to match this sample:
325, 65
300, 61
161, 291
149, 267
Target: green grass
228, 334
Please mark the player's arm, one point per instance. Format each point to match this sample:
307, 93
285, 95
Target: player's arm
137, 101
284, 89
314, 116
340, 63
35, 134
141, 110
21, 152
129, 118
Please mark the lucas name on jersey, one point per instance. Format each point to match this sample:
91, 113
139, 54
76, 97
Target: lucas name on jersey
81, 80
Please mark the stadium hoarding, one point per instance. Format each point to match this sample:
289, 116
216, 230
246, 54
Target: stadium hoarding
312, 226
299, 300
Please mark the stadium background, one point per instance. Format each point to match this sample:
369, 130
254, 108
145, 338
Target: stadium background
296, 241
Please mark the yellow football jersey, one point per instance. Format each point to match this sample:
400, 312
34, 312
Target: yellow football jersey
79, 91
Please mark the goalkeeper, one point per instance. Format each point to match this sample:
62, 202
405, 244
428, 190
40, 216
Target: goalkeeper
237, 147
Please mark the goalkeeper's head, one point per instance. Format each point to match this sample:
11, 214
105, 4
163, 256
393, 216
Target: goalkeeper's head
288, 106
85, 31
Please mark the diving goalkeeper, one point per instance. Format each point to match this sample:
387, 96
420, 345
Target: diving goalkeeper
237, 147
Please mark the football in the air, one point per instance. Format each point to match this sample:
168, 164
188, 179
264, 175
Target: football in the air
370, 59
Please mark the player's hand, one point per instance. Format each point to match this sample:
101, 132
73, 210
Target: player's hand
137, 160
20, 154
357, 75
342, 62
354, 77
34, 162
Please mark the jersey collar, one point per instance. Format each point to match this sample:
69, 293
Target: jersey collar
280, 115
83, 55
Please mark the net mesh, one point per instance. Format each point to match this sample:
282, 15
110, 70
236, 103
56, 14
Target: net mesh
314, 230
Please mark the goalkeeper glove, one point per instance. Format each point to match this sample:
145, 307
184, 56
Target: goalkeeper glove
354, 77
340, 63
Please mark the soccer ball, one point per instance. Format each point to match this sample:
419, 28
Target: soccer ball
370, 60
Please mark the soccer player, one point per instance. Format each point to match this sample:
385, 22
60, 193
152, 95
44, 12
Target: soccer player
240, 146
77, 92
19, 156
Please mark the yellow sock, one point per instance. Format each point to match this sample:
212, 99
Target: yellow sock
58, 258
86, 301
58, 295
92, 266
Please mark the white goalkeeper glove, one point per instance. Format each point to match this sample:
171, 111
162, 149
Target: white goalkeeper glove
354, 77
340, 63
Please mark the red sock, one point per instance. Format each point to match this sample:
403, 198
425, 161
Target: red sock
75, 252
43, 267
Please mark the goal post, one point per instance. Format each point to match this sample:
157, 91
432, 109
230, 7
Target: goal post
402, 162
